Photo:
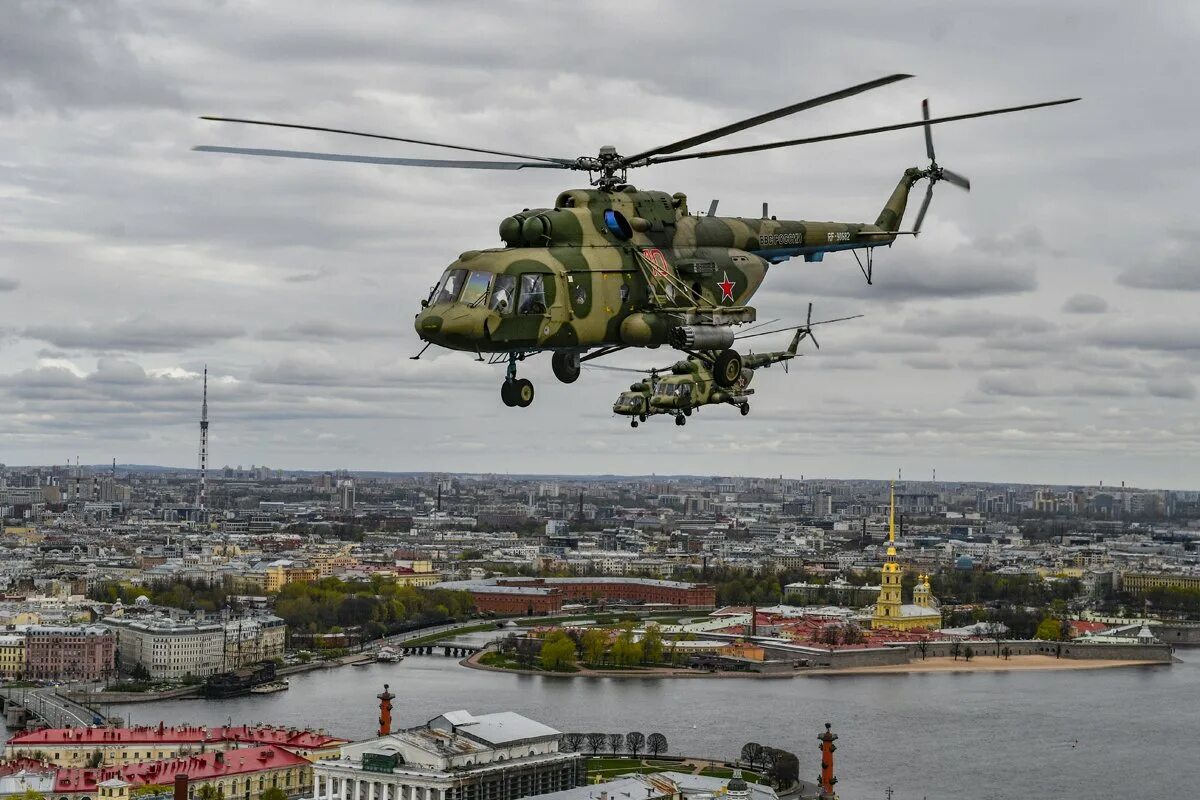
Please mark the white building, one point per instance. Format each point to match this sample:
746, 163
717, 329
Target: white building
456, 756
174, 650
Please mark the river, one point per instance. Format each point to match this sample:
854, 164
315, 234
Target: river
1095, 734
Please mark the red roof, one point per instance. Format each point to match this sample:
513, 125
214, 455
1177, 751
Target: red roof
205, 766
178, 734
14, 765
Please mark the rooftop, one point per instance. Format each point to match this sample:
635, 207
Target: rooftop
198, 767
181, 734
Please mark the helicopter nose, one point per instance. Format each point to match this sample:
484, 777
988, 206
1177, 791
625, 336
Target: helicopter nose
428, 324
457, 326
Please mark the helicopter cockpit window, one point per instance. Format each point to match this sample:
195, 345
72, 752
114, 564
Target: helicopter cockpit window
676, 389
533, 294
451, 286
476, 288
504, 291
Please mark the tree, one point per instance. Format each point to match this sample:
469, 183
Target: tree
1049, 629
652, 644
273, 793
593, 644
656, 744
596, 742
573, 741
615, 742
829, 635
29, 794
210, 792
1007, 652
626, 652
785, 769
956, 649
923, 648
558, 653
969, 654
752, 752
634, 742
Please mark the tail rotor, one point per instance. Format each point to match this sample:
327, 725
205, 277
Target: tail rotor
935, 172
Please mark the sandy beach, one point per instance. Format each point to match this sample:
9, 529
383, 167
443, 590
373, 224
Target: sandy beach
984, 664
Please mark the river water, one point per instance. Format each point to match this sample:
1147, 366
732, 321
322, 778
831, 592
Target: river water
1095, 734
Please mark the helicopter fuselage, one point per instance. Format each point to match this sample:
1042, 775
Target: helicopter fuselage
623, 268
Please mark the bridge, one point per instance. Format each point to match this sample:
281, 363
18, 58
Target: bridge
449, 649
46, 704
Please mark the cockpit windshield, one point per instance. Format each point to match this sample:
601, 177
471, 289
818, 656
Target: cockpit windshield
476, 288
452, 283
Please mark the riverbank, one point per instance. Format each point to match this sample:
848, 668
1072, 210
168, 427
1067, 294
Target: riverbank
930, 665
634, 672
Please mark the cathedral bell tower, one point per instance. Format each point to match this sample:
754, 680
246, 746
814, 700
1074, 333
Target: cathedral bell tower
890, 601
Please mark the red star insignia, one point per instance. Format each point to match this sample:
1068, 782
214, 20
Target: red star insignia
726, 288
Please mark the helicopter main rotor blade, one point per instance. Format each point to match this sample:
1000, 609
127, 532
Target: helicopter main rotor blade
754, 148
395, 162
770, 116
564, 161
625, 369
928, 132
924, 207
797, 327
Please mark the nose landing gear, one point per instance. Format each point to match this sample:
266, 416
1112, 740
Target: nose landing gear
516, 391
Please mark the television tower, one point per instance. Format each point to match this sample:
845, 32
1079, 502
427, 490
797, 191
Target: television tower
203, 442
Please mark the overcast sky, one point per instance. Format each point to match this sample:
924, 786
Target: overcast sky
1043, 328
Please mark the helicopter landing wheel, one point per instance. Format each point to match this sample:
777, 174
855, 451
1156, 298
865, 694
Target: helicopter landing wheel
641, 417
522, 392
633, 423
745, 409
508, 393
566, 366
681, 420
727, 368
687, 412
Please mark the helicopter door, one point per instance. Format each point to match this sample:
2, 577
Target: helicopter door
523, 323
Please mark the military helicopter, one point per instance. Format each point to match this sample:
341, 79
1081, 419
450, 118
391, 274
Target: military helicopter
690, 383
610, 267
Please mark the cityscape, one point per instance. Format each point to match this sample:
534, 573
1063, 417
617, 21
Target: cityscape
531, 401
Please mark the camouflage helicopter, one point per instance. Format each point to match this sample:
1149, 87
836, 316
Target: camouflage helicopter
689, 383
610, 267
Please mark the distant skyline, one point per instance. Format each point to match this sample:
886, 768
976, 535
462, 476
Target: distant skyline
101, 467
1041, 329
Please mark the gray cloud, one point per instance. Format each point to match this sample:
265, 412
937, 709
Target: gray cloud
1085, 304
140, 334
1173, 386
8, 284
325, 331
63, 56
152, 260
1174, 272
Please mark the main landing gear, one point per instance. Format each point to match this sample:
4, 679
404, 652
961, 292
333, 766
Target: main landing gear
515, 391
566, 366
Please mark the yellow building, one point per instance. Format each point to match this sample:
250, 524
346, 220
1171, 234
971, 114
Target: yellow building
890, 609
1140, 582
12, 655
280, 574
